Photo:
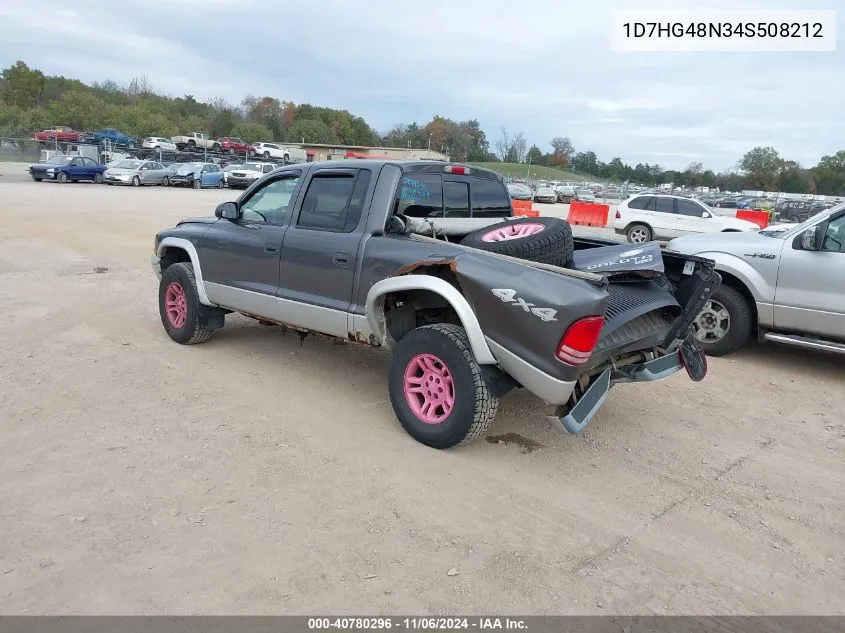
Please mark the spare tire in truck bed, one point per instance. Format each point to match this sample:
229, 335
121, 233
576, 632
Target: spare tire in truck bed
545, 240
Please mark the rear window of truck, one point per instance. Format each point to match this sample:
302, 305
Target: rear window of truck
429, 196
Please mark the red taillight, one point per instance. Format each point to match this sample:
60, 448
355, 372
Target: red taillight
618, 215
576, 346
456, 169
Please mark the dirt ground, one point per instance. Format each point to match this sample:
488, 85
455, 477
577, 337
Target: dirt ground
255, 475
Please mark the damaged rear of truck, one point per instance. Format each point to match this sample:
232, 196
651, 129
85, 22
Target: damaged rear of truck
471, 306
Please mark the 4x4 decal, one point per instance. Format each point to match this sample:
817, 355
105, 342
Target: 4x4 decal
508, 295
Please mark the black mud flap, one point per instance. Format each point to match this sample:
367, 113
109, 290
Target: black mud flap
693, 359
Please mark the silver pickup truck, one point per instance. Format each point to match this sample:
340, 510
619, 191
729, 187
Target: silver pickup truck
787, 283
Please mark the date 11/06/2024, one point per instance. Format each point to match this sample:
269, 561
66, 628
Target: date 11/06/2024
415, 623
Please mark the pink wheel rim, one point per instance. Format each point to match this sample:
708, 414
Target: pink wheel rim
429, 388
175, 304
512, 232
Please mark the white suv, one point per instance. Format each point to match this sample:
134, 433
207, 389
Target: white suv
647, 217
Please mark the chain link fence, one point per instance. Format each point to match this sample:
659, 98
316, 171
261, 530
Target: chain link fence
21, 150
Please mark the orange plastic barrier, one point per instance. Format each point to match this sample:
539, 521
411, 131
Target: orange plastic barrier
760, 218
588, 213
523, 208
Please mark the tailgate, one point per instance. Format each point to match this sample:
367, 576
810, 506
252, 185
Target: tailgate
644, 314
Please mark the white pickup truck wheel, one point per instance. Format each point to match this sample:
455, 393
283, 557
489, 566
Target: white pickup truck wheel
436, 387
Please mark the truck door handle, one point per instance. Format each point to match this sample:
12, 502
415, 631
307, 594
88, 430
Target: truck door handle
341, 259
271, 249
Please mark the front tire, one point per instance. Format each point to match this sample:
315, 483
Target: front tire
436, 387
37, 179
179, 305
639, 233
62, 177
196, 184
725, 323
136, 181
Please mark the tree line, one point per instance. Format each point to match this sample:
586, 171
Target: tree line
32, 101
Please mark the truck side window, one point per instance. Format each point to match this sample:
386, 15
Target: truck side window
456, 199
420, 196
489, 199
334, 203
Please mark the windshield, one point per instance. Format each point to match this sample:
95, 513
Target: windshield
584, 192
252, 166
59, 160
188, 168
129, 164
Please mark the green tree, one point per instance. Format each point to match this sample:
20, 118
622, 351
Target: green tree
80, 110
252, 132
22, 86
829, 174
223, 123
310, 131
762, 165
534, 156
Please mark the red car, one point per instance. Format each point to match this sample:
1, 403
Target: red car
234, 145
61, 133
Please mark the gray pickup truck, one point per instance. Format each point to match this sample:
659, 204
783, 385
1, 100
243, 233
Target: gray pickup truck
786, 283
423, 258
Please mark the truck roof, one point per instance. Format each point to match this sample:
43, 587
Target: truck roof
413, 166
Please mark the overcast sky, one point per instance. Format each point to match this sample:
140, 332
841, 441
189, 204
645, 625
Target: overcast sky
544, 68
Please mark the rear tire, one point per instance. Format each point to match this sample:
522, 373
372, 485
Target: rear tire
639, 233
221, 184
165, 182
266, 154
552, 244
452, 404
728, 310
179, 305
98, 178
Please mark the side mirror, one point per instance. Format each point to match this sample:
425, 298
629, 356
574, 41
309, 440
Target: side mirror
811, 239
706, 214
227, 211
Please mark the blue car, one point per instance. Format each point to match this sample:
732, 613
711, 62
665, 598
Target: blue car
197, 175
68, 169
115, 136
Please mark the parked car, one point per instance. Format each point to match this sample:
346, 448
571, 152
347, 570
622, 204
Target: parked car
136, 173
242, 176
197, 175
159, 143
234, 145
585, 195
565, 193
729, 202
647, 217
67, 169
545, 193
114, 136
782, 283
520, 192
193, 141
61, 133
282, 152
345, 250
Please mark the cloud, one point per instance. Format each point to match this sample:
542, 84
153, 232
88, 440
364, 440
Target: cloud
542, 68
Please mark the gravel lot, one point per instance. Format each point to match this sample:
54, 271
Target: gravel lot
255, 475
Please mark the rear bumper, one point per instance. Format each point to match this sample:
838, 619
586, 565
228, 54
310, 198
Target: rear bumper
593, 398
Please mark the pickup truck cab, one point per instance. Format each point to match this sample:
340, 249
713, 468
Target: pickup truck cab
193, 141
787, 283
422, 258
